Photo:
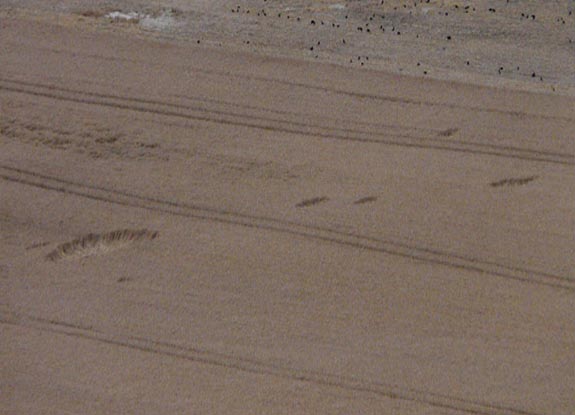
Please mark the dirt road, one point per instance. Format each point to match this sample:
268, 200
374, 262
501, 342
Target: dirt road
329, 240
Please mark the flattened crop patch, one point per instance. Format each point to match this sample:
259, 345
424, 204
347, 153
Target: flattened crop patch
94, 244
311, 202
519, 181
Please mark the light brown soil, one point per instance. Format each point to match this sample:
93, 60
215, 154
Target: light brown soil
331, 238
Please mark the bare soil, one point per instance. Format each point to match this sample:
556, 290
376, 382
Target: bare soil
314, 235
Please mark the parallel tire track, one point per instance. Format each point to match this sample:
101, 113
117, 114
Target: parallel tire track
311, 86
239, 363
378, 97
199, 113
358, 241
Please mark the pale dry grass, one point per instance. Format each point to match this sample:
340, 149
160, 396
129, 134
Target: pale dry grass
93, 244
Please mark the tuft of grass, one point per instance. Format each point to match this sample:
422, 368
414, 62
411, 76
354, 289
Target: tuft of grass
92, 13
517, 181
93, 244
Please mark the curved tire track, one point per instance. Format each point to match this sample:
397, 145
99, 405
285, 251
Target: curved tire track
280, 125
239, 363
358, 241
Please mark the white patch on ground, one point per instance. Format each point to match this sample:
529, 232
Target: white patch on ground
117, 15
160, 22
164, 21
337, 6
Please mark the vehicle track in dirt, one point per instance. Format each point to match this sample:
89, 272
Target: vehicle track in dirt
391, 98
235, 362
198, 113
317, 87
233, 120
413, 252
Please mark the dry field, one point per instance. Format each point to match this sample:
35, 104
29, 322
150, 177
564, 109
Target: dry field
194, 224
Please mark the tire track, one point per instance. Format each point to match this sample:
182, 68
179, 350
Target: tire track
173, 106
383, 98
247, 365
330, 120
279, 125
357, 241
311, 86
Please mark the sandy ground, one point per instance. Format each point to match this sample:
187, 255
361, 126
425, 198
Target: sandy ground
523, 44
295, 235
